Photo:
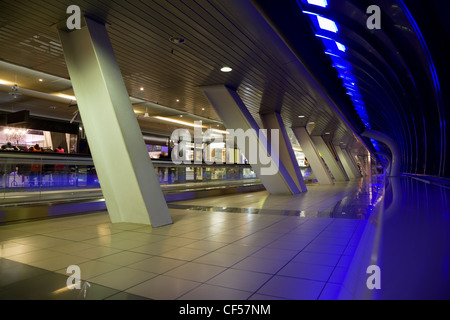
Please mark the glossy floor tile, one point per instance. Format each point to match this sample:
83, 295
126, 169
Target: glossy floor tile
209, 253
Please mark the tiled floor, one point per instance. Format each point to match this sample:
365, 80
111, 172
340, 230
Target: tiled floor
204, 255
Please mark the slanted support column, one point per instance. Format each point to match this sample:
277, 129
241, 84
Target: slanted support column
235, 115
317, 165
346, 162
392, 145
287, 155
330, 160
125, 171
353, 164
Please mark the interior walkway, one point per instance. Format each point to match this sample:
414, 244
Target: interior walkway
239, 247
285, 252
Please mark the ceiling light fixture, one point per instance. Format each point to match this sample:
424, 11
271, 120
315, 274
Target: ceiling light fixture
226, 69
62, 95
301, 116
179, 122
176, 40
220, 131
8, 83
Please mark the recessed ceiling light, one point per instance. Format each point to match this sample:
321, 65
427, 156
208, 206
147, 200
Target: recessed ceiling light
301, 116
311, 122
176, 40
226, 69
178, 100
181, 116
142, 89
40, 80
203, 109
327, 133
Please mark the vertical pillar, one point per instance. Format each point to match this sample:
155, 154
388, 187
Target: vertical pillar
126, 174
317, 165
287, 155
345, 162
329, 158
235, 115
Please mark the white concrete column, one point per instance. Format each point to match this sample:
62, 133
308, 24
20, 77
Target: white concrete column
235, 115
126, 174
346, 162
287, 155
352, 162
395, 163
309, 149
336, 170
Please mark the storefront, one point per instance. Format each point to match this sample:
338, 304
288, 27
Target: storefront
24, 139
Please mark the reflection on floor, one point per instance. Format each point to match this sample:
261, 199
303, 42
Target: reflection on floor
265, 247
356, 202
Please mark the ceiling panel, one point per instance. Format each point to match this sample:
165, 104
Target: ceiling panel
267, 75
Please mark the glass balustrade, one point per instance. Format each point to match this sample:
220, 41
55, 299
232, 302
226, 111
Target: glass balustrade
33, 177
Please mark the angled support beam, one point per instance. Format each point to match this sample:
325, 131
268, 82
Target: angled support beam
309, 149
346, 162
287, 155
392, 145
336, 170
235, 115
125, 171
353, 164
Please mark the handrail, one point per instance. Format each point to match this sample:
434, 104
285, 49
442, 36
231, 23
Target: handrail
67, 158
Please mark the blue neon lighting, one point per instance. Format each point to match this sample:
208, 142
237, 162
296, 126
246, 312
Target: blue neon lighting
327, 24
332, 54
336, 51
320, 3
324, 37
341, 46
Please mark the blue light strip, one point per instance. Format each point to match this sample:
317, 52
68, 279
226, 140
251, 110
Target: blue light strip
336, 50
